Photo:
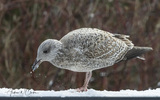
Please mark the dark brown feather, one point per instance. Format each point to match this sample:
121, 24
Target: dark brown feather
136, 51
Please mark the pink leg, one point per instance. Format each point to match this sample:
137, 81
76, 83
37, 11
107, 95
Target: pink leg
85, 85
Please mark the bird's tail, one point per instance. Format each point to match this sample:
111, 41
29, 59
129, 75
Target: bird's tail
137, 52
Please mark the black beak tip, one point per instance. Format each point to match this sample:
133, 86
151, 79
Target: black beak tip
35, 65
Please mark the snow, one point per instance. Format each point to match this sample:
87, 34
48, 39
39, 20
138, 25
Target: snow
6, 92
158, 84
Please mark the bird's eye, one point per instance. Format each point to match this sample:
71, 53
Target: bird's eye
45, 51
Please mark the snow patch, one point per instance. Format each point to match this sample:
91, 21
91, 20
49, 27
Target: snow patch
5, 92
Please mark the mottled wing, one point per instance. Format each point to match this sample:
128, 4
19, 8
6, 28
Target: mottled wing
95, 43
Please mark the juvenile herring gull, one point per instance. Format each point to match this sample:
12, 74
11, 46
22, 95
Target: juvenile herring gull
87, 49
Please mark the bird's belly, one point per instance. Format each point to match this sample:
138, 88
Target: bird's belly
85, 65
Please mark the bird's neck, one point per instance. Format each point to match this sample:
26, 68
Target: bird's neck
59, 56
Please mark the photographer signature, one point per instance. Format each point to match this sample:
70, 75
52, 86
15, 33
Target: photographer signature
23, 92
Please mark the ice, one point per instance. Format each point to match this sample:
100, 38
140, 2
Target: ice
6, 92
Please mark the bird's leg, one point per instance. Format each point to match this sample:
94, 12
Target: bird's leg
85, 85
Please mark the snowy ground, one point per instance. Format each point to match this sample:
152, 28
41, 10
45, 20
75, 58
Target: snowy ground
5, 92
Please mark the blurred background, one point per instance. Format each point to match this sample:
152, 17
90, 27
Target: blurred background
24, 24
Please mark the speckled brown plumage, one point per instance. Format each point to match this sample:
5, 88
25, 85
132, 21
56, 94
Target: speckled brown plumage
87, 49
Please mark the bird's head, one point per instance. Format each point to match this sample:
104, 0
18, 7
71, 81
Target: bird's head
46, 52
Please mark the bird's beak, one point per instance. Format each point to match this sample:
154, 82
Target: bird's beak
36, 64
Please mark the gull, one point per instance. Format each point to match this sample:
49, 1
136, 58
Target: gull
87, 49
